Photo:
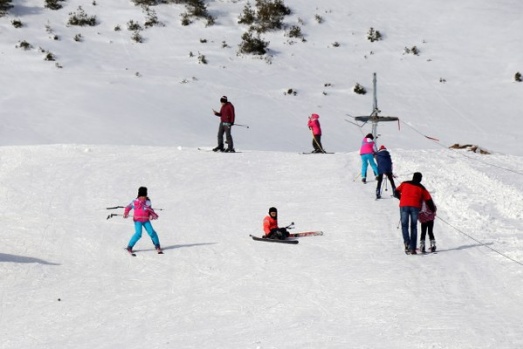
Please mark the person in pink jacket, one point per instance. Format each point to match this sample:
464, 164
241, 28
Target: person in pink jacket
367, 152
142, 214
314, 126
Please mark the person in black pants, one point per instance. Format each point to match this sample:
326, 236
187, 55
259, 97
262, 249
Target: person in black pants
426, 218
384, 168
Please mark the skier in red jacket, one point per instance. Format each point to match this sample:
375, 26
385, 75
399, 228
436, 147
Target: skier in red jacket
227, 117
270, 226
412, 194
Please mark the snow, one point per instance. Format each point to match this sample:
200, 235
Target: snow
119, 115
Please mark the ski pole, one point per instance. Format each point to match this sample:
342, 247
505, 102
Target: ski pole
246, 126
115, 207
399, 222
316, 141
290, 226
114, 215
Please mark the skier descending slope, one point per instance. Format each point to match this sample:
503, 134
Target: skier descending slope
143, 211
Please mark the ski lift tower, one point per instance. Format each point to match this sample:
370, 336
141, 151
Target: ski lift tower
374, 117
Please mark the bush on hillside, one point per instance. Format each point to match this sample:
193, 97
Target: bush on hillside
81, 18
517, 77
268, 15
359, 89
17, 23
24, 45
5, 5
53, 4
373, 35
253, 45
413, 50
195, 9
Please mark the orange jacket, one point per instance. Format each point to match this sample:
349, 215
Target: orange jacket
269, 223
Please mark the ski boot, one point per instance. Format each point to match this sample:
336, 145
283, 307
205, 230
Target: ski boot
218, 148
422, 246
364, 180
432, 245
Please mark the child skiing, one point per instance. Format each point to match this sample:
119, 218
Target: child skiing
426, 218
314, 126
142, 213
270, 226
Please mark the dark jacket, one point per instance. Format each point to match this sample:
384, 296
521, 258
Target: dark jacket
384, 161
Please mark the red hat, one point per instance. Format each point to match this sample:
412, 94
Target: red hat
382, 147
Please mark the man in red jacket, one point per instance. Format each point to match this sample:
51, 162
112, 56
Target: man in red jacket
227, 117
412, 194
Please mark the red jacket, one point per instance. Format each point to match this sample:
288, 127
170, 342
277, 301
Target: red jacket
226, 113
269, 223
413, 194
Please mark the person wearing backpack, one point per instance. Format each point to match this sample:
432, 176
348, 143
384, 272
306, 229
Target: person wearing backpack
426, 218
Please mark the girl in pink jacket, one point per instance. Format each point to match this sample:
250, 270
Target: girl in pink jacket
143, 212
367, 151
314, 126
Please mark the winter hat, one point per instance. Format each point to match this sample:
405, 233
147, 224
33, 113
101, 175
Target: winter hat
273, 209
417, 177
223, 99
315, 116
382, 147
142, 191
369, 135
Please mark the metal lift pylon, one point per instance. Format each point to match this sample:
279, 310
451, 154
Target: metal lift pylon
374, 117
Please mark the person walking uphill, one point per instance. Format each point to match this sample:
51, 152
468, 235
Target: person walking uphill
270, 226
227, 117
384, 168
142, 214
426, 218
367, 156
412, 194
314, 126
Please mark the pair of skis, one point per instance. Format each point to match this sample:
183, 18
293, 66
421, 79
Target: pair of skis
292, 235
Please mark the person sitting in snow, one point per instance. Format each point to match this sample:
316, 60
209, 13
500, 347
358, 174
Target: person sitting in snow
270, 226
314, 126
143, 211
384, 168
367, 156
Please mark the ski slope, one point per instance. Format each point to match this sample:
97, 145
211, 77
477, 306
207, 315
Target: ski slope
117, 115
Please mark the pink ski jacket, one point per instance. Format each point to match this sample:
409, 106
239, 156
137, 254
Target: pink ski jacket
142, 210
314, 124
367, 146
